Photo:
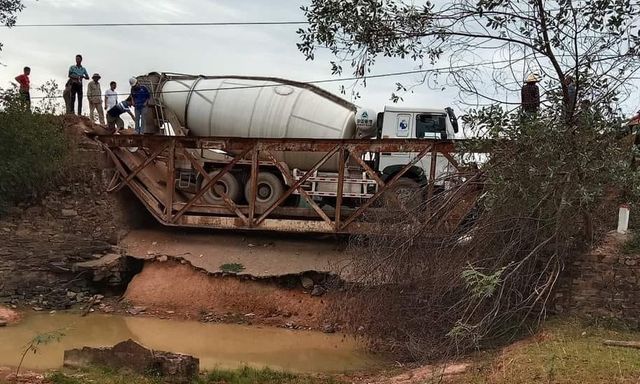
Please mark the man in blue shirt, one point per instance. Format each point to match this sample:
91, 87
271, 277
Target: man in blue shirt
141, 96
113, 115
76, 74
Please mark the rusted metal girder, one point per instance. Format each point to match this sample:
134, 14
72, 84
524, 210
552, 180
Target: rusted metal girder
387, 186
209, 184
232, 144
233, 208
302, 192
150, 174
297, 184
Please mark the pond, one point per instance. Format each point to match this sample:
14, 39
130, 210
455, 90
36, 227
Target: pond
216, 345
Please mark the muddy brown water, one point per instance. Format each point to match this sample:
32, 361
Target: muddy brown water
217, 345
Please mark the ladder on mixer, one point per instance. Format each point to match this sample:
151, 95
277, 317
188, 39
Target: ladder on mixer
164, 116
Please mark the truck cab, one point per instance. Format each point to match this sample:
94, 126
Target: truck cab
416, 124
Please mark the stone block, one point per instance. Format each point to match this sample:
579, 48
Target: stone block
131, 356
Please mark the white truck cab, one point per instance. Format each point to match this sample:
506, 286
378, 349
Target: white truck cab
416, 124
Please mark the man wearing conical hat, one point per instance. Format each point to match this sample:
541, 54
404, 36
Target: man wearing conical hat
94, 95
530, 94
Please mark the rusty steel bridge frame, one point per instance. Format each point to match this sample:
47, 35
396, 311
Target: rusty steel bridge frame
150, 173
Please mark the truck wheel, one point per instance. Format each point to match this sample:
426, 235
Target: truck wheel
268, 191
227, 184
405, 194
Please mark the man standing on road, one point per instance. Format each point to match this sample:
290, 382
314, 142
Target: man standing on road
113, 115
76, 74
110, 96
25, 85
94, 95
141, 96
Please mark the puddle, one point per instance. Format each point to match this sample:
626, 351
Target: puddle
217, 345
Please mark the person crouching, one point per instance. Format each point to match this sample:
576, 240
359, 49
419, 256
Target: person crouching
113, 115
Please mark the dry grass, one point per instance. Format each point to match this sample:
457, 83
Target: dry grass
564, 351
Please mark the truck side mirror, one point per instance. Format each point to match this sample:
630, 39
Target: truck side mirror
452, 118
379, 122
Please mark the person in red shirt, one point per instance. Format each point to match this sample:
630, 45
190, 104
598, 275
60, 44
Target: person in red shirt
24, 82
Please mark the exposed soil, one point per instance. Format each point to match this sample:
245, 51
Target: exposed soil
8, 316
8, 375
172, 287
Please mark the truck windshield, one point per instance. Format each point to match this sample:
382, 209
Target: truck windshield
431, 126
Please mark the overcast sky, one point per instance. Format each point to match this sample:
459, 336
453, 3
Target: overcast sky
119, 53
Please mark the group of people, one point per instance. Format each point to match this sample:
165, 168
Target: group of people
530, 93
138, 98
98, 102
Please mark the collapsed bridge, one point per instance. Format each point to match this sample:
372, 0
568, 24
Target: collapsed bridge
149, 166
274, 154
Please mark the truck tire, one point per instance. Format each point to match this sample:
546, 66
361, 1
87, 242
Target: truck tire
268, 191
405, 195
230, 185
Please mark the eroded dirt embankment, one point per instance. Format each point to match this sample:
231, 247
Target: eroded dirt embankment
181, 290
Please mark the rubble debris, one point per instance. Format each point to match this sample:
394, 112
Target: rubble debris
137, 310
329, 328
307, 283
318, 290
69, 213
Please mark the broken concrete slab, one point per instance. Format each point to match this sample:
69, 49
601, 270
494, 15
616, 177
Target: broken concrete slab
260, 255
106, 261
110, 268
129, 355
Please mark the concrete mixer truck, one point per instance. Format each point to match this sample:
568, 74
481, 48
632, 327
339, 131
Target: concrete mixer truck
288, 112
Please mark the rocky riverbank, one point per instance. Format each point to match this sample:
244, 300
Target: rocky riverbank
43, 236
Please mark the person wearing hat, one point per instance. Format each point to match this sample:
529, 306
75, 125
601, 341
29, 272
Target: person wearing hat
530, 94
76, 74
94, 95
140, 95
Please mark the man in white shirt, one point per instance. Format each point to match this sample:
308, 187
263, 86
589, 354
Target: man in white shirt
110, 96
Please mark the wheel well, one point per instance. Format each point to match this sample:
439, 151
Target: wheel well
414, 173
243, 172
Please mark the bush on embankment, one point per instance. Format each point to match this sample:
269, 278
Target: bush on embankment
33, 151
550, 191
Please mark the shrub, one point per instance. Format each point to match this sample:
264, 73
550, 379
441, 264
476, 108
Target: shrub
33, 151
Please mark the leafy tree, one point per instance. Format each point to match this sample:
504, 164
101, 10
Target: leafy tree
9, 10
490, 45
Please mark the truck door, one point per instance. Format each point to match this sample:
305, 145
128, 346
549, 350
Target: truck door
399, 127
433, 126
